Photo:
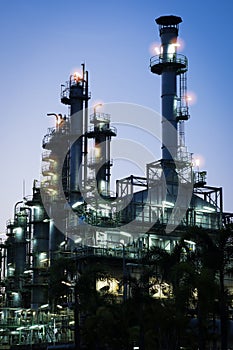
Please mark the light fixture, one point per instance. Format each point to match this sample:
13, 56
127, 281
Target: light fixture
66, 283
77, 204
209, 208
167, 204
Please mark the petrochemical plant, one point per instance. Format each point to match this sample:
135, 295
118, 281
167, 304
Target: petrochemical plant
73, 215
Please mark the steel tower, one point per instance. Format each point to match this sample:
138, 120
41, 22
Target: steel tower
75, 94
170, 66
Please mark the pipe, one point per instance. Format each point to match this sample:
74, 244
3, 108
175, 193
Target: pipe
85, 131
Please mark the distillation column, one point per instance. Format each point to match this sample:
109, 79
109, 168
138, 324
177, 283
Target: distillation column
101, 133
16, 247
74, 95
40, 250
169, 64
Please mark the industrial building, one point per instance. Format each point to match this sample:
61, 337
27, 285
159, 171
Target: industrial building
73, 214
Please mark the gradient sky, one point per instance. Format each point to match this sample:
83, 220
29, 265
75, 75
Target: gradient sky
43, 42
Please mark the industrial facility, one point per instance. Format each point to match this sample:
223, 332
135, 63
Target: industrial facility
74, 216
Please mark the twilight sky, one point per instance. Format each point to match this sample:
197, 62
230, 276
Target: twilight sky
44, 41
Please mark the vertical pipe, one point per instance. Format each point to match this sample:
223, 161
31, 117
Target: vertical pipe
39, 294
169, 93
108, 165
169, 124
85, 130
76, 151
4, 263
20, 243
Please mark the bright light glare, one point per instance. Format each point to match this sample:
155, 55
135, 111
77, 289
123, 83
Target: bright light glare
154, 48
191, 98
77, 204
66, 283
189, 242
157, 50
77, 76
171, 49
59, 119
179, 44
97, 152
198, 160
208, 208
167, 204
97, 103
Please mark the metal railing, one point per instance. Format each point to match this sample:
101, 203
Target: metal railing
100, 117
169, 58
94, 161
103, 128
48, 168
182, 112
117, 252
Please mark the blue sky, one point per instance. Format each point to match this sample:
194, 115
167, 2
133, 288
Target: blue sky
42, 42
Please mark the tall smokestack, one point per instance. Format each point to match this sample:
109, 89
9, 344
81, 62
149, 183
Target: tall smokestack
169, 65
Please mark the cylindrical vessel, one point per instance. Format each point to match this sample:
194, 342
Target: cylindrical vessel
76, 129
168, 64
40, 258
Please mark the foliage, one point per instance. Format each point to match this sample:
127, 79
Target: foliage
193, 297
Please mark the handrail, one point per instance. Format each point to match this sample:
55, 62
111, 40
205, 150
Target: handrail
46, 154
10, 222
96, 161
102, 117
169, 58
48, 167
103, 128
